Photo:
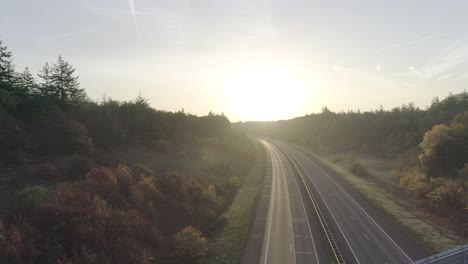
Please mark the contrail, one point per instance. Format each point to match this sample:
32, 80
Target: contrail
132, 10
409, 42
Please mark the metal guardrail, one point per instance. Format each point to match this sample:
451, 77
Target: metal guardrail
331, 240
458, 255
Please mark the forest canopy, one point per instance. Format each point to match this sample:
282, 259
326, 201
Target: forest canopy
85, 181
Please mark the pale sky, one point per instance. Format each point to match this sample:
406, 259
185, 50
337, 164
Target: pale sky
252, 60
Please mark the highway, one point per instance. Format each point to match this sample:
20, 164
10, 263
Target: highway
365, 234
287, 229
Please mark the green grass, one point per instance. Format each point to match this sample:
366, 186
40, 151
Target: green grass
427, 235
229, 244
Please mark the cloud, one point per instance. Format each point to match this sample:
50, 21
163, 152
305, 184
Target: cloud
409, 42
193, 26
453, 55
412, 69
446, 65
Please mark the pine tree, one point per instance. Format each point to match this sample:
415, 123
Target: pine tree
60, 83
45, 74
26, 83
7, 69
66, 84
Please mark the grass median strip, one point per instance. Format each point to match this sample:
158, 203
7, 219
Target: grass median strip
229, 244
427, 235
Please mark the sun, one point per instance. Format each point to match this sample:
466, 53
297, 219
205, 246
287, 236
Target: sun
263, 92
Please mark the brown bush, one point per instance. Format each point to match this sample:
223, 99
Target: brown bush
102, 181
448, 194
74, 207
190, 243
415, 183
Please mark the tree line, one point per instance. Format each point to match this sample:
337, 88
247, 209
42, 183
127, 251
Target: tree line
382, 133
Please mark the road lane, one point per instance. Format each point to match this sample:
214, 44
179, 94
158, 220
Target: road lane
278, 243
365, 239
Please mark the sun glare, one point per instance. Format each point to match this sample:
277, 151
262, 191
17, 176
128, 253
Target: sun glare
264, 92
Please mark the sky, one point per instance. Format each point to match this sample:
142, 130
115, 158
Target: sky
249, 59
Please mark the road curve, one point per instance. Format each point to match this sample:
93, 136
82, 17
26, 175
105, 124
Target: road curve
364, 233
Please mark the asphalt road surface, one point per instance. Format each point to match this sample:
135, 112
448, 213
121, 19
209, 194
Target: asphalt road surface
285, 229
364, 232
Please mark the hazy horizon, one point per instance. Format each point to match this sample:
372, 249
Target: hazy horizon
252, 60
